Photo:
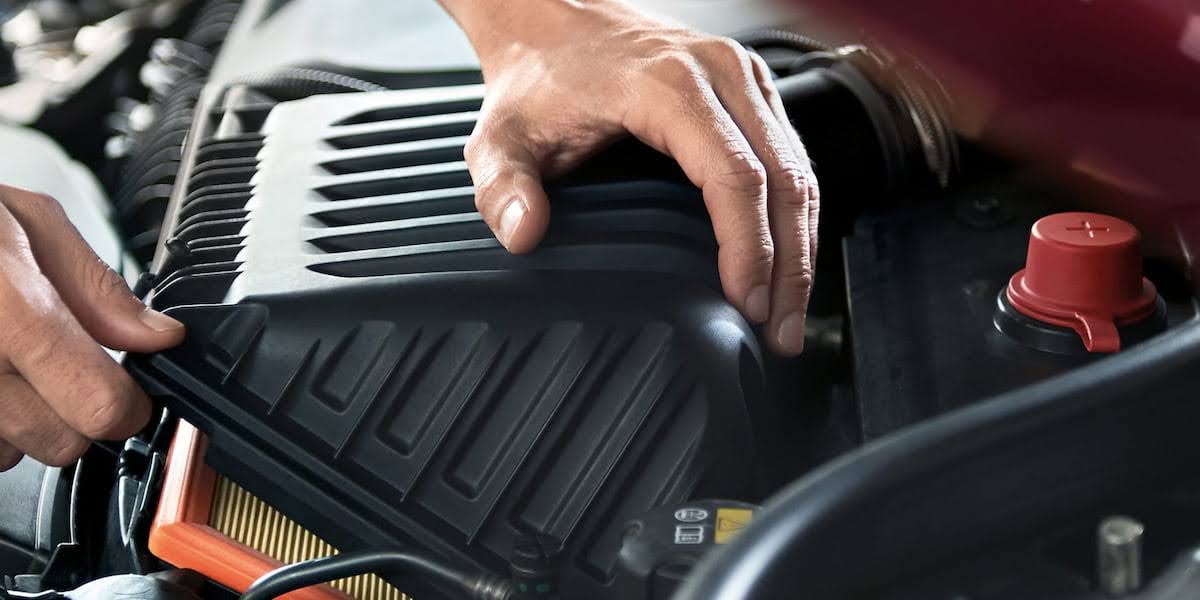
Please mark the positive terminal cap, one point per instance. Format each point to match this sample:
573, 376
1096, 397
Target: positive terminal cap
1084, 271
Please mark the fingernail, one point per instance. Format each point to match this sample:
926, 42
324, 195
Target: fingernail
790, 336
510, 219
157, 321
758, 303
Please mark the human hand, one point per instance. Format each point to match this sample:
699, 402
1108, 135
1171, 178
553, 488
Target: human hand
567, 78
59, 389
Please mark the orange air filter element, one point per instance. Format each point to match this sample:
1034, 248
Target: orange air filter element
210, 525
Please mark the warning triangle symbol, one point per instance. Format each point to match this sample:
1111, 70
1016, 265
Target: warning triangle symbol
725, 524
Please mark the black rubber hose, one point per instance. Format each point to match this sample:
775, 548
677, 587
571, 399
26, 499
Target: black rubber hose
1002, 470
781, 38
474, 586
299, 82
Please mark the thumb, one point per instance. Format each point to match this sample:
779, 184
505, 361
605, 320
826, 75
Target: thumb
508, 185
96, 295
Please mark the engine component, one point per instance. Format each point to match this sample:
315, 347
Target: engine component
63, 53
151, 134
849, 529
1119, 555
874, 129
210, 525
466, 584
35, 515
961, 251
1083, 273
170, 585
660, 548
366, 356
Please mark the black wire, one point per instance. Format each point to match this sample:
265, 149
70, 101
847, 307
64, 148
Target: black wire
476, 586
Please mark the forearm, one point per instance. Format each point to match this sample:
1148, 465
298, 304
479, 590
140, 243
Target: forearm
483, 20
492, 26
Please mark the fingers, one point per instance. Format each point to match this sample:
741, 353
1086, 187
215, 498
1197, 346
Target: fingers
9, 456
508, 185
33, 427
94, 293
766, 84
685, 120
63, 366
744, 94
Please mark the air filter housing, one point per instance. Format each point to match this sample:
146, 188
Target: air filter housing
367, 358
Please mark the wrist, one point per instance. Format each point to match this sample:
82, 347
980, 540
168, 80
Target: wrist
496, 26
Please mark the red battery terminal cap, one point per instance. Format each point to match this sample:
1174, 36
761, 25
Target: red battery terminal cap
1084, 271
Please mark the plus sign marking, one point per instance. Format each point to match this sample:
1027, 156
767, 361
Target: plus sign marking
1089, 228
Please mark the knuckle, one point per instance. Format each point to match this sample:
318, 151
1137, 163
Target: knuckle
796, 274
107, 282
771, 94
677, 69
36, 205
106, 412
744, 172
491, 124
762, 72
725, 51
472, 147
793, 185
487, 186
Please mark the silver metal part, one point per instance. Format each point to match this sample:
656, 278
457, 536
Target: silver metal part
1119, 555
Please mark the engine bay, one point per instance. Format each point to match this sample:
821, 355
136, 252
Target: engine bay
367, 369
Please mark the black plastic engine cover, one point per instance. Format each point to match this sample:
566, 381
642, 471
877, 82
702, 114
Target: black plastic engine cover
366, 357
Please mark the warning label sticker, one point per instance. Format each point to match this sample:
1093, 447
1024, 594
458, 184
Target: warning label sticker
730, 522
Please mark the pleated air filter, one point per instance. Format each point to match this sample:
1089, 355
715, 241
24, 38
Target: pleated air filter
211, 525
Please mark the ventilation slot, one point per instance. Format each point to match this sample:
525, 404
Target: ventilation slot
452, 229
201, 254
648, 252
222, 172
416, 154
405, 130
627, 224
454, 175
243, 146
205, 229
400, 207
216, 254
394, 113
215, 203
213, 216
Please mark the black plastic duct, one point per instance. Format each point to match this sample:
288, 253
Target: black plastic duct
989, 473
